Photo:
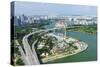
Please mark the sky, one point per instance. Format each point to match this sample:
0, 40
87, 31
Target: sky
35, 8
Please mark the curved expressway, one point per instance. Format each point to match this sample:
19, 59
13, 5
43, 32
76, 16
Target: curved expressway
30, 57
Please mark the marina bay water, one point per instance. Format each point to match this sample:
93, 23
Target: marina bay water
90, 54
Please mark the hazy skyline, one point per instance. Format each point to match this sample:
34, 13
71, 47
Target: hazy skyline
33, 8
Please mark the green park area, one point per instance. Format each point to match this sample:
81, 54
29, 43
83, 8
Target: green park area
90, 29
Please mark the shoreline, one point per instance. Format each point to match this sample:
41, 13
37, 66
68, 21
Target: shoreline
65, 54
95, 34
